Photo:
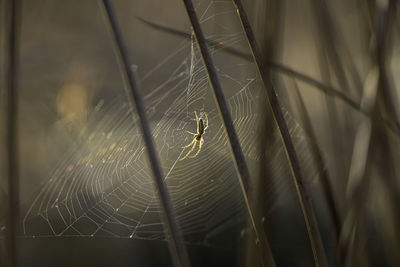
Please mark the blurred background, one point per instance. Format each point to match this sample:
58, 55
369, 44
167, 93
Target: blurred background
85, 187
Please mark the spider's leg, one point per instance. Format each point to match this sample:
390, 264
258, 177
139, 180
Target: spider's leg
191, 133
200, 146
190, 151
205, 114
197, 120
191, 143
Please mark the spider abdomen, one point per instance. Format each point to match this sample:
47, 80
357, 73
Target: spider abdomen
201, 127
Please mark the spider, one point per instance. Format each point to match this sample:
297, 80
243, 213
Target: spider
197, 136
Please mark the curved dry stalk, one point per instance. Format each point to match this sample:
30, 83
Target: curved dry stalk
177, 247
237, 153
304, 199
274, 66
277, 67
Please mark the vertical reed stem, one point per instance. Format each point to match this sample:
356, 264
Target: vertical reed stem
239, 159
176, 242
305, 202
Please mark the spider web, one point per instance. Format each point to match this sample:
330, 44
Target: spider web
104, 187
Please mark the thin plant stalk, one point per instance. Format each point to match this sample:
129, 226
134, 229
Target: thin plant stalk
176, 242
12, 217
304, 199
238, 156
